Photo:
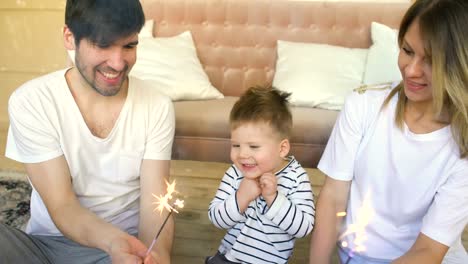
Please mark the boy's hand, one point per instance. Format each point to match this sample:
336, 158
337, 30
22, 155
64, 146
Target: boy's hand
249, 190
268, 187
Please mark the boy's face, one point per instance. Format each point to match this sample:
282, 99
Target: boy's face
105, 68
257, 149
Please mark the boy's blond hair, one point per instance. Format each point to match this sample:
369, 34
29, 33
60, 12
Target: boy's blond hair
263, 104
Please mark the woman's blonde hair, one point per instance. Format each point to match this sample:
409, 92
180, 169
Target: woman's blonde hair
443, 25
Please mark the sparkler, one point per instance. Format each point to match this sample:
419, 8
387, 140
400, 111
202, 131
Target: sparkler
163, 203
364, 215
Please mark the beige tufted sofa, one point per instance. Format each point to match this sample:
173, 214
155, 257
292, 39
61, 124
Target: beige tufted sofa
236, 44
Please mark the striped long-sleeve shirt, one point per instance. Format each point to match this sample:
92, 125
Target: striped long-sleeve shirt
262, 234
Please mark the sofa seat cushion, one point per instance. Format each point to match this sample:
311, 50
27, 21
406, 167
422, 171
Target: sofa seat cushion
203, 132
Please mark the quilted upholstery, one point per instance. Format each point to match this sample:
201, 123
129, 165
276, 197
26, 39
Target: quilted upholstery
236, 44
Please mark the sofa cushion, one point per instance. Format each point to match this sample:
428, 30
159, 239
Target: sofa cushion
382, 61
203, 132
171, 66
318, 75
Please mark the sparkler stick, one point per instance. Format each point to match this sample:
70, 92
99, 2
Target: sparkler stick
348, 260
163, 203
159, 232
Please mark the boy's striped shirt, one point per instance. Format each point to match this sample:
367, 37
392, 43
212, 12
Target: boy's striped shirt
262, 234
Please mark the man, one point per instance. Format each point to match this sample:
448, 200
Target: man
96, 145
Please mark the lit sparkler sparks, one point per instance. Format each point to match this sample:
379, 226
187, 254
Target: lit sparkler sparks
163, 203
364, 216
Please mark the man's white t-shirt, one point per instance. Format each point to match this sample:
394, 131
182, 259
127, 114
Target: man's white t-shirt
45, 123
402, 183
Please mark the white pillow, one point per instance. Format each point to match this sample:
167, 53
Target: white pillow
171, 66
318, 75
382, 61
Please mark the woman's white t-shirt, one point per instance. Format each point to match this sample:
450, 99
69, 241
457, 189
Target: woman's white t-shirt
402, 183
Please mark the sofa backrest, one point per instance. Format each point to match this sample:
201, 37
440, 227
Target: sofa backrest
236, 39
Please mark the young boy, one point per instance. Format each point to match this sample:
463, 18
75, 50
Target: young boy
264, 199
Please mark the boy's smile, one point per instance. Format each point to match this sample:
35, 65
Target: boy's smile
256, 149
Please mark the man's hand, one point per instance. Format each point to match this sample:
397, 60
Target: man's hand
155, 258
129, 249
268, 187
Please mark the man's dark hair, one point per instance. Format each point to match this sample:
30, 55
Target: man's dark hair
103, 21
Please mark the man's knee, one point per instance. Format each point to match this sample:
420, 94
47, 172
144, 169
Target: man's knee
18, 247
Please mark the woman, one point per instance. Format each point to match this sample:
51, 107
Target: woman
396, 161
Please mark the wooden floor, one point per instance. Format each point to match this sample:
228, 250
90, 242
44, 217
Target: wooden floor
197, 182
